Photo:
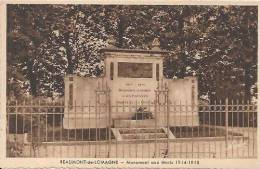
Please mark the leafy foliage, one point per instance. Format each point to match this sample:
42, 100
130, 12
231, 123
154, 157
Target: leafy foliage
216, 43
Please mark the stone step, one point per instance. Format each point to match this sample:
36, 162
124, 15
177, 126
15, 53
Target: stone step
140, 130
143, 136
120, 123
141, 133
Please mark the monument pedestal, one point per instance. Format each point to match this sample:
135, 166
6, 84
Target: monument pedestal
133, 84
118, 123
84, 123
175, 120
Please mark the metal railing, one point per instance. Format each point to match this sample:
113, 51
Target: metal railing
132, 130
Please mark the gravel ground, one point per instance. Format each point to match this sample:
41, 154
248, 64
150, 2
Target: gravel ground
203, 147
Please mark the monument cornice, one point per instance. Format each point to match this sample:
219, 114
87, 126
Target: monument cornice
122, 55
142, 51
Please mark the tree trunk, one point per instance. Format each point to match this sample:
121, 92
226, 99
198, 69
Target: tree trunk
69, 54
121, 29
247, 82
182, 47
32, 78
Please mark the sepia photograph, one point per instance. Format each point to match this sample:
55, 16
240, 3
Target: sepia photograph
131, 81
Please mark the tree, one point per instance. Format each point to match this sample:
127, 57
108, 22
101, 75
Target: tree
46, 42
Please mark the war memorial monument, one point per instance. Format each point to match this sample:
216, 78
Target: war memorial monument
131, 77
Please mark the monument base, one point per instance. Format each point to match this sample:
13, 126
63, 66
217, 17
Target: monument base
118, 123
179, 120
175, 120
84, 123
134, 134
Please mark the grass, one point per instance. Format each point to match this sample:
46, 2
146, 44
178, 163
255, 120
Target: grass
58, 134
199, 131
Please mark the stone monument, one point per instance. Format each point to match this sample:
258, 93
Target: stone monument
130, 76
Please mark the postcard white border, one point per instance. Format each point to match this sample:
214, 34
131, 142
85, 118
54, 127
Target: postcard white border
55, 162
